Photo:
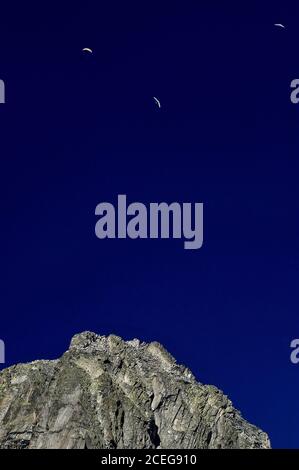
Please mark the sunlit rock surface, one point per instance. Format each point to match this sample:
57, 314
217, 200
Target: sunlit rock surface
108, 393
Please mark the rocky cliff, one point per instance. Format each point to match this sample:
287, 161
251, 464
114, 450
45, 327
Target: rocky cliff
108, 393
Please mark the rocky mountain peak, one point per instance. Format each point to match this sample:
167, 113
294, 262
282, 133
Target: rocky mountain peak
105, 392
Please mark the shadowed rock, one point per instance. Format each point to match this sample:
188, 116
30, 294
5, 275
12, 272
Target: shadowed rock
108, 393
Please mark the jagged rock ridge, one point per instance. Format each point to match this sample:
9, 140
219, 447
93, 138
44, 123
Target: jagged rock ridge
108, 393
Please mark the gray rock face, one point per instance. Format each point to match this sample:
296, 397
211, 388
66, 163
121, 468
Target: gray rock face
108, 393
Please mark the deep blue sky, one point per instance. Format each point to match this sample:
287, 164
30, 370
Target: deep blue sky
78, 129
